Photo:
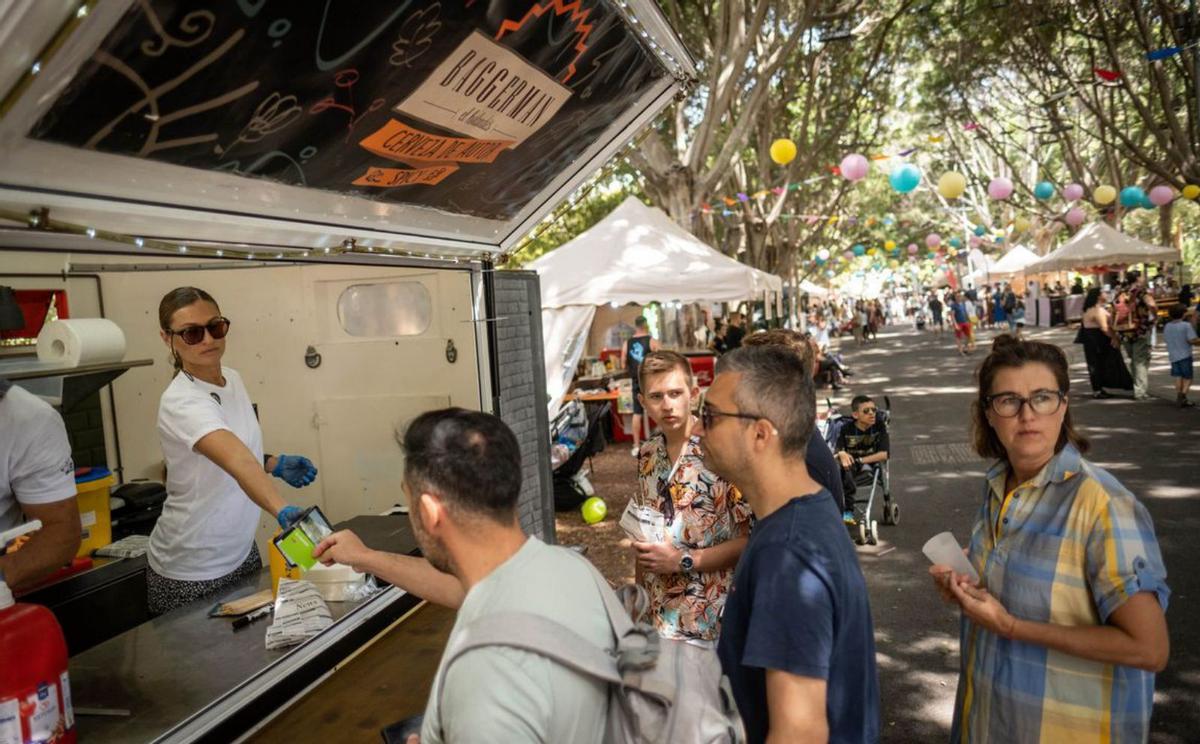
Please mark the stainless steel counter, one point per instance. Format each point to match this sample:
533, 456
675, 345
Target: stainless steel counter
185, 676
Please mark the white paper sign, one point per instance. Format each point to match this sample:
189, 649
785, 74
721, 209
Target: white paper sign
486, 90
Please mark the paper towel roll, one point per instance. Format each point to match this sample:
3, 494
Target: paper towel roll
81, 341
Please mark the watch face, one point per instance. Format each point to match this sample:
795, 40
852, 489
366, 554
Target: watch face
686, 562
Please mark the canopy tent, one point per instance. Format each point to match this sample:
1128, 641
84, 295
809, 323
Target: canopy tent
1012, 263
636, 254
981, 269
1100, 245
812, 289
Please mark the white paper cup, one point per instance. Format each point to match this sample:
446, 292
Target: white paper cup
943, 549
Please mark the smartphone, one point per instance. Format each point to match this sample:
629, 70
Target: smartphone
297, 542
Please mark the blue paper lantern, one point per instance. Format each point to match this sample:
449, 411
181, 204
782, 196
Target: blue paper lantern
904, 178
1146, 203
859, 250
999, 240
980, 230
955, 242
1132, 197
1043, 190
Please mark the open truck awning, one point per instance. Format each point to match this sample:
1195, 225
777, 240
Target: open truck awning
442, 129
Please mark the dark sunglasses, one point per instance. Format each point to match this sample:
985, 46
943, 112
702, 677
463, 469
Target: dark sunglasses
867, 411
707, 413
194, 334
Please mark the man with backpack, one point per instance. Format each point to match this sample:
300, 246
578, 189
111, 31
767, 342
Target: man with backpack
797, 641
462, 479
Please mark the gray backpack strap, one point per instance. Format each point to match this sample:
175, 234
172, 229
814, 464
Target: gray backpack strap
538, 635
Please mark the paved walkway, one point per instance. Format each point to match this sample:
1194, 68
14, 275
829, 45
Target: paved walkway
1151, 446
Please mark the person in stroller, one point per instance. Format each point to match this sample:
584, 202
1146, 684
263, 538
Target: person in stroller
860, 445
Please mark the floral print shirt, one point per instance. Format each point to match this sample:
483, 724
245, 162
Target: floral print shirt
700, 510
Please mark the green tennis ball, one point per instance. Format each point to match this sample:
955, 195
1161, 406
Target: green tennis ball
594, 510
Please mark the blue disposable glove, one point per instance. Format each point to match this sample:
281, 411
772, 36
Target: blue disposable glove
297, 470
287, 515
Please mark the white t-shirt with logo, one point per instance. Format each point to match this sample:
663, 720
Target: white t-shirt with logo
35, 456
208, 522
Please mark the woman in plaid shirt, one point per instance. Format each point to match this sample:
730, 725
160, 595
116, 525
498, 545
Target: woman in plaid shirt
1062, 638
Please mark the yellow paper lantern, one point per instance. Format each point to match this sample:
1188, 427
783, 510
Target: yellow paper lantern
1191, 191
1104, 194
871, 251
952, 251
783, 151
1021, 224
890, 245
952, 185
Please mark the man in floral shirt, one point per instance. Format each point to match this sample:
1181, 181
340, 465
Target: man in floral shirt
688, 566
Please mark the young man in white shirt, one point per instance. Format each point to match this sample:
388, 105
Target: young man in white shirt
37, 481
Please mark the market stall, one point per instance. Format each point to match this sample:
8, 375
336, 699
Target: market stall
1098, 245
636, 254
343, 179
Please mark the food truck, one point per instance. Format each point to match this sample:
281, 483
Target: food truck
347, 179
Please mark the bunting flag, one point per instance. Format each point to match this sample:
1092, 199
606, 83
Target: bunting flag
1108, 76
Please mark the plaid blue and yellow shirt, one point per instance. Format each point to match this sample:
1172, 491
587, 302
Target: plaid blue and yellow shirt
1068, 547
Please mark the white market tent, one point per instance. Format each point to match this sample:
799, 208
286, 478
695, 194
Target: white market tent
1014, 262
982, 272
636, 254
813, 289
1100, 245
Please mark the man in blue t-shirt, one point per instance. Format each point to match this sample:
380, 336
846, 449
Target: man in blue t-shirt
796, 639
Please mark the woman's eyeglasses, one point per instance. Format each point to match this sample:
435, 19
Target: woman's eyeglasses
194, 334
1042, 402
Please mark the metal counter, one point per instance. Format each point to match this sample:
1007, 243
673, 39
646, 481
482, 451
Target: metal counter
187, 677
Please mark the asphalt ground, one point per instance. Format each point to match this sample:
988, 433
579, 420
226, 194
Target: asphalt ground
1150, 446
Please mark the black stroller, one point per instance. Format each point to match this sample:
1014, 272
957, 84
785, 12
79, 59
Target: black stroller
877, 477
576, 434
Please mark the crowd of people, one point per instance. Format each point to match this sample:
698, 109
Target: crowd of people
744, 555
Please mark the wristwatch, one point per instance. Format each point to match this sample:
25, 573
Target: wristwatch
686, 562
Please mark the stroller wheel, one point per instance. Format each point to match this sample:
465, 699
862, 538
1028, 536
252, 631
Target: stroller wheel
873, 533
860, 537
891, 513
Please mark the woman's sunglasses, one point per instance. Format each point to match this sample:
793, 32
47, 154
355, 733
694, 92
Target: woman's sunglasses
194, 334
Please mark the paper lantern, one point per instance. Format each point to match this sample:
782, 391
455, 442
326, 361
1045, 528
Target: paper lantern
912, 249
955, 242
952, 185
980, 230
1191, 191
890, 245
933, 240
1000, 189
1104, 194
1074, 216
859, 250
848, 255
1021, 224
1161, 196
1147, 203
854, 167
871, 251
783, 151
1043, 190
823, 254
998, 240
904, 178
1132, 197
1073, 192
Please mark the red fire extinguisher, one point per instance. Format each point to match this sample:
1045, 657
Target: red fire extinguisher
35, 694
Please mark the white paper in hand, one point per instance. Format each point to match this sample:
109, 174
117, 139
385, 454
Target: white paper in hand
643, 523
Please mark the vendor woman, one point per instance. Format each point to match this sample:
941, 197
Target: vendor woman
217, 476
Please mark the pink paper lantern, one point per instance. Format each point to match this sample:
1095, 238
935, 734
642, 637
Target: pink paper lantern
1073, 192
854, 167
1074, 217
1000, 189
975, 241
912, 248
848, 255
933, 240
1161, 196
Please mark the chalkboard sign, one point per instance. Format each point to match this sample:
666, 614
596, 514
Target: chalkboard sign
468, 106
